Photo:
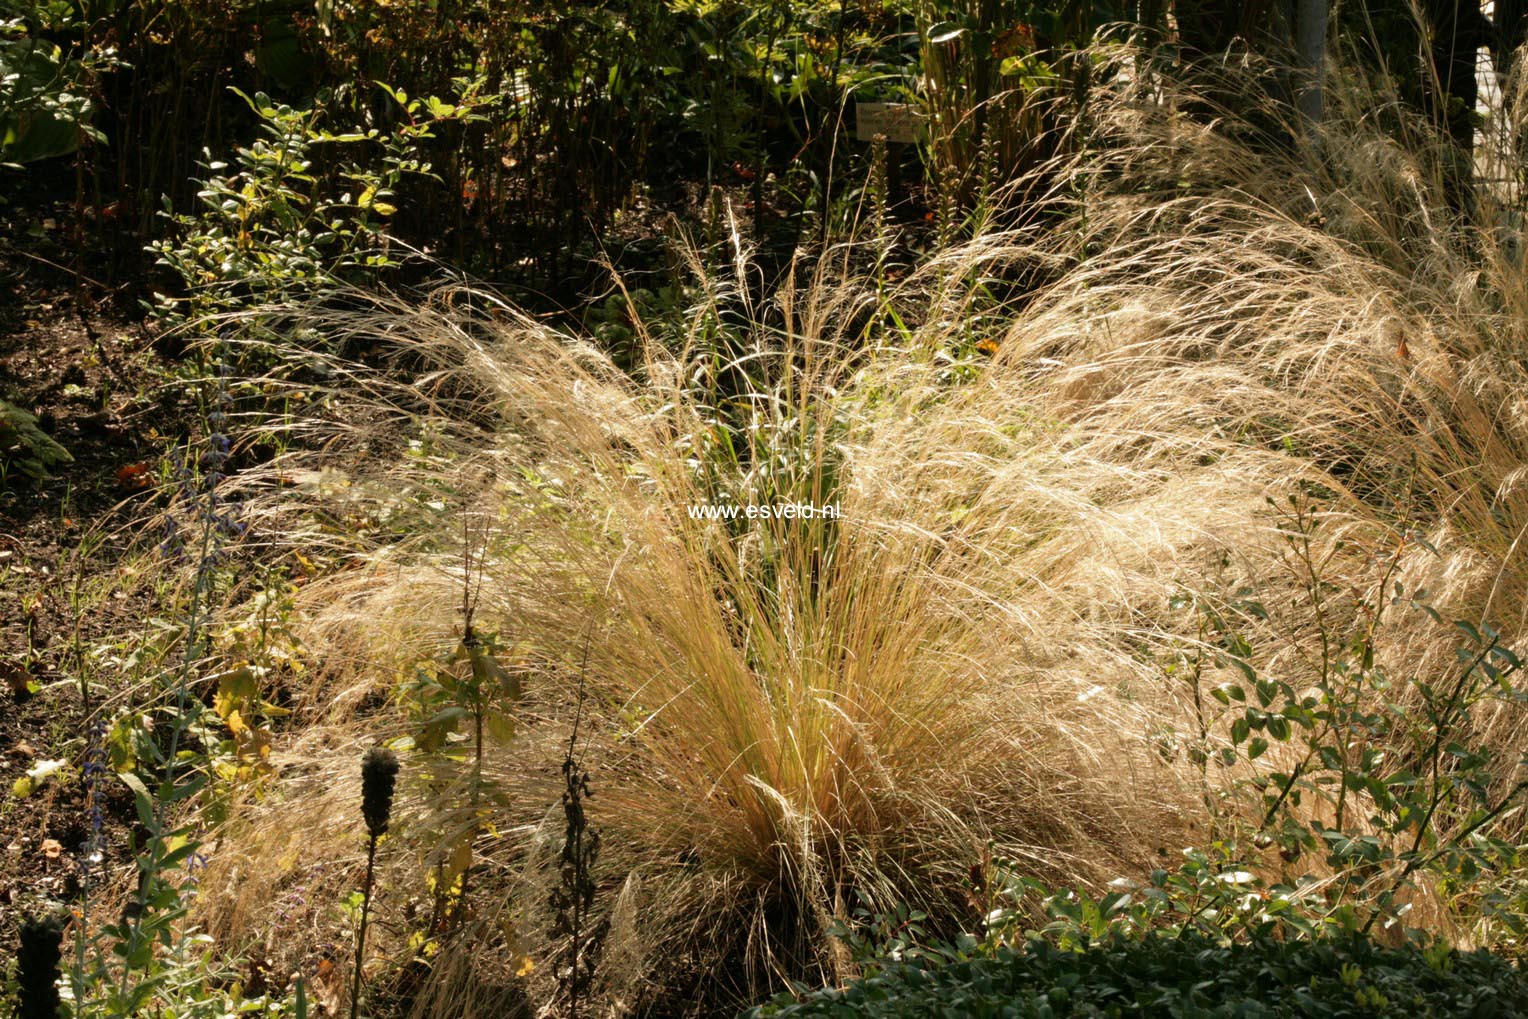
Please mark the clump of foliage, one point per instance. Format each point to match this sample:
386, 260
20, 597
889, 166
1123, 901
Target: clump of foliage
45, 108
304, 209
1165, 977
809, 708
26, 448
145, 954
587, 115
823, 713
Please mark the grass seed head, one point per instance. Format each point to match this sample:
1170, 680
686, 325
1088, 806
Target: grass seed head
379, 771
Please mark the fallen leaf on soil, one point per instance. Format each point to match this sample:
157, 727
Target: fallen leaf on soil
328, 987
17, 680
133, 476
39, 775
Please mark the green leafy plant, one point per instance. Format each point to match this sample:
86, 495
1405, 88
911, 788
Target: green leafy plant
1376, 775
295, 216
993, 73
1166, 977
461, 708
1208, 894
45, 106
900, 933
152, 956
26, 448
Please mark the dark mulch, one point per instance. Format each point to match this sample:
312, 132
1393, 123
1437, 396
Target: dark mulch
78, 354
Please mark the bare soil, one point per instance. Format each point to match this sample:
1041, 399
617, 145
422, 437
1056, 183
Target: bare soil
76, 354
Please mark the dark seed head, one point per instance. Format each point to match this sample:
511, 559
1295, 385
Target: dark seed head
379, 769
37, 969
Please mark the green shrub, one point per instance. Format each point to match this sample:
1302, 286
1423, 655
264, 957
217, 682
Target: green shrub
24, 447
45, 110
288, 221
1182, 977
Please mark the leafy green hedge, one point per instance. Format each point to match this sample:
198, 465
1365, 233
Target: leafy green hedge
1181, 978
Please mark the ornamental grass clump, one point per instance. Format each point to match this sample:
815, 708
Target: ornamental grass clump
1317, 299
793, 716
796, 716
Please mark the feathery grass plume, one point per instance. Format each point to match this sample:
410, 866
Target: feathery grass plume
1318, 301
794, 712
37, 968
797, 712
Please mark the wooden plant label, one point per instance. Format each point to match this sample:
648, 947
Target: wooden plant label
897, 122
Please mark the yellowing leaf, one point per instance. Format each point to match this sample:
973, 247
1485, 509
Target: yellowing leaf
461, 857
39, 775
234, 688
524, 964
500, 727
422, 945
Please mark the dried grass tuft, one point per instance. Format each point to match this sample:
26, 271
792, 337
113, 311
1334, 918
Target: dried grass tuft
787, 714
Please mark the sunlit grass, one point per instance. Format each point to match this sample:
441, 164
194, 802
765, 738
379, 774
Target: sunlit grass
788, 717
